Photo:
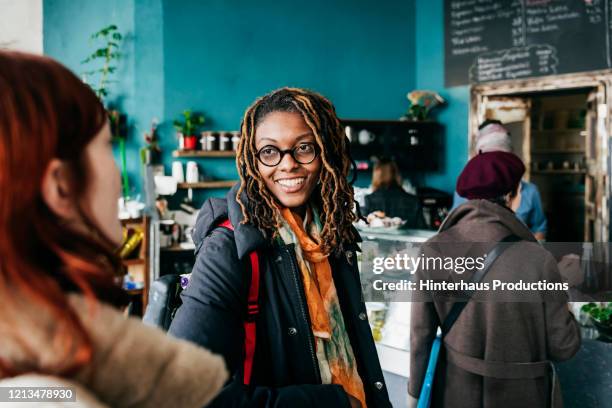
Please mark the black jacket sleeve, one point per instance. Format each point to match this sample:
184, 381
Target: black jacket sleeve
212, 316
420, 218
367, 207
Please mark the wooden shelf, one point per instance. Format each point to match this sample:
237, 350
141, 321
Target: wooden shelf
131, 221
569, 171
140, 296
209, 184
203, 153
558, 151
557, 131
176, 248
130, 262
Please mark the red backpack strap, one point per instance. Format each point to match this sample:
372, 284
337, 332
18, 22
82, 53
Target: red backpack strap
250, 324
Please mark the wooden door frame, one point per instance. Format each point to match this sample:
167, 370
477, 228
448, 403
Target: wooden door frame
598, 80
537, 85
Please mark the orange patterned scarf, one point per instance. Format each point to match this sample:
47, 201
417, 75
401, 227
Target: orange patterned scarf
334, 351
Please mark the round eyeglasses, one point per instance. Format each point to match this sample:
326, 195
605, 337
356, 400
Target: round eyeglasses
304, 153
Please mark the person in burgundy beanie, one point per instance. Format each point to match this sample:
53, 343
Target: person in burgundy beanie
493, 136
492, 352
491, 175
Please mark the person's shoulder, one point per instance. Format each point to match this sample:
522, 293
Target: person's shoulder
140, 356
85, 399
528, 188
408, 195
532, 252
213, 212
375, 193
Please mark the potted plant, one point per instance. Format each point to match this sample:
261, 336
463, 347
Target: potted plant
150, 153
421, 103
103, 62
601, 317
188, 128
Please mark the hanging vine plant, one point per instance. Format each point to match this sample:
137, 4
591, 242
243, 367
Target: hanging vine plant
103, 62
104, 59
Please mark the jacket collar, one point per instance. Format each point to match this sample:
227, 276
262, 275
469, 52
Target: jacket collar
486, 212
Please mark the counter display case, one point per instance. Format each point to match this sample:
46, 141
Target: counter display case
390, 322
389, 318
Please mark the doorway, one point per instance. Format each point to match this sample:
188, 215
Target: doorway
559, 128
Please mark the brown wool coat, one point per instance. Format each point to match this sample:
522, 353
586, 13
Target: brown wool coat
516, 332
133, 365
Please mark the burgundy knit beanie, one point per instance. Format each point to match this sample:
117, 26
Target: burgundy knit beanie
490, 175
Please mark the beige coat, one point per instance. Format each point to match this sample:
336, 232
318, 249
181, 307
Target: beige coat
493, 331
133, 365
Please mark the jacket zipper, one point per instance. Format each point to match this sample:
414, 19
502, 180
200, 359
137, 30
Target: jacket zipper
311, 340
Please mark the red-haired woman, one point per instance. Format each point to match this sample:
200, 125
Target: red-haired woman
59, 323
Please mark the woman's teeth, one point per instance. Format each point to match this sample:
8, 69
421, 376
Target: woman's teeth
291, 182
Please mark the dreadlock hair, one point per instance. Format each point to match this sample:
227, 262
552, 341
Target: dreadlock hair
334, 194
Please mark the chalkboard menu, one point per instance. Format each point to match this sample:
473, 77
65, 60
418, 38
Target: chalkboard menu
494, 40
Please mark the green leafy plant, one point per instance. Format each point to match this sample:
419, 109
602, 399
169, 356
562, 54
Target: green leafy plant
190, 124
601, 317
421, 103
601, 314
102, 62
103, 59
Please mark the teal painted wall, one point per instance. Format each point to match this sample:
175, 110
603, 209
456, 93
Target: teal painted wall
221, 55
148, 66
218, 56
67, 26
454, 115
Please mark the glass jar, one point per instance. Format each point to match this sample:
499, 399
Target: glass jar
224, 141
212, 141
204, 139
235, 140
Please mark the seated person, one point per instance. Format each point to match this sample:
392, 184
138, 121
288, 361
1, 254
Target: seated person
389, 196
492, 136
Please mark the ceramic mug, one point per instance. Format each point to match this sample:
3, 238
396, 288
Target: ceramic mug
192, 172
365, 136
235, 140
177, 172
348, 131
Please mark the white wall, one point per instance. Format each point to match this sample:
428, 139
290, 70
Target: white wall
21, 25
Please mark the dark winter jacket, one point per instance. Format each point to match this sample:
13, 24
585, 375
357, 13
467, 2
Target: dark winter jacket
395, 202
285, 369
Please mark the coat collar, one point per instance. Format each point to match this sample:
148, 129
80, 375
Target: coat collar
486, 213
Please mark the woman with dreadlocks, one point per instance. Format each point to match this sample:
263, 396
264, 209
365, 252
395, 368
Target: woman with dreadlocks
293, 210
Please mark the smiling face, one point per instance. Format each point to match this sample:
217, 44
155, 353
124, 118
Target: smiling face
290, 182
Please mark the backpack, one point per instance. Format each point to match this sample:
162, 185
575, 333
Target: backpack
165, 300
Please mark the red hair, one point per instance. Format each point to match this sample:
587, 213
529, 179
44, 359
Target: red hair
46, 112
